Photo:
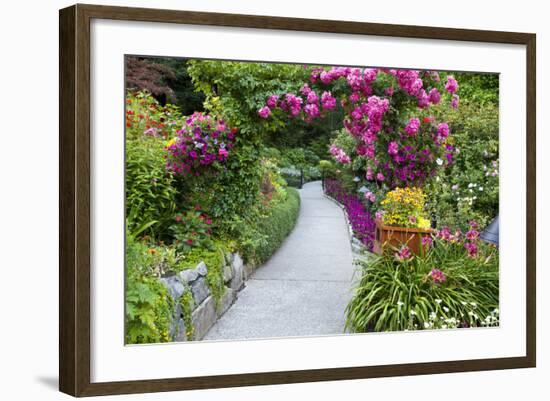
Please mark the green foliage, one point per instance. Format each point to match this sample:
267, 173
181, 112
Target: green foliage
236, 90
186, 302
478, 89
191, 230
395, 295
148, 306
327, 169
214, 259
469, 189
150, 195
276, 225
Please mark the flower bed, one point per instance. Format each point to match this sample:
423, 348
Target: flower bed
361, 221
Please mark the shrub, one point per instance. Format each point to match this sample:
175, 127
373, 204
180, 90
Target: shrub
469, 189
150, 195
276, 225
148, 306
191, 229
401, 291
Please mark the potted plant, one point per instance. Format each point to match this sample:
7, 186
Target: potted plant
402, 220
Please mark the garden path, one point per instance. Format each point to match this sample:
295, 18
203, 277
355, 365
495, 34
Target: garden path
303, 289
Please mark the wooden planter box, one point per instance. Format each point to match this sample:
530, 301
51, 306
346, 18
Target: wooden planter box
394, 236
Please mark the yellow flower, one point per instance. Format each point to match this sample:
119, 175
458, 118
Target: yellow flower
171, 141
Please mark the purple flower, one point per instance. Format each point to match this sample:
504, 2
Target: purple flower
452, 85
264, 112
454, 101
412, 126
435, 96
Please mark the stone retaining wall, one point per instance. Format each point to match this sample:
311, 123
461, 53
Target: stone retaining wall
190, 285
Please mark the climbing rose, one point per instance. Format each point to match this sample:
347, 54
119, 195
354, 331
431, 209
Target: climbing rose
264, 112
454, 101
412, 126
435, 96
443, 130
393, 148
312, 110
272, 101
328, 101
451, 86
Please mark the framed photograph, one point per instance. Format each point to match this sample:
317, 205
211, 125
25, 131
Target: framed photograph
250, 200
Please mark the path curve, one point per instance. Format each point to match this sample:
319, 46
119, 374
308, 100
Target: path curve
303, 289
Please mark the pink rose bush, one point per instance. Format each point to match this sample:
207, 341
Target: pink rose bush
201, 143
386, 111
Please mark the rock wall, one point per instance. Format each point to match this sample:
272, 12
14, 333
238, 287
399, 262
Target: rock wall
195, 309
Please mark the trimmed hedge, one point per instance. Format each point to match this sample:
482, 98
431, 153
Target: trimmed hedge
278, 225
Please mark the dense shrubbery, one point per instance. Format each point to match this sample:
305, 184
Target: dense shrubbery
194, 191
275, 226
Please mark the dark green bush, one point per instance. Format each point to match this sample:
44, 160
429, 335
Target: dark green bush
277, 225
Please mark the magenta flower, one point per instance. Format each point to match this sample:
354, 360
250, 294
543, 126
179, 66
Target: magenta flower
472, 235
369, 174
312, 97
312, 110
223, 152
472, 249
272, 101
380, 177
452, 85
370, 196
264, 112
423, 99
328, 101
437, 276
412, 126
393, 148
435, 96
454, 101
427, 241
443, 130
403, 254
389, 91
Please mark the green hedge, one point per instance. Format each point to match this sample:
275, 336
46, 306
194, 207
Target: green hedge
276, 226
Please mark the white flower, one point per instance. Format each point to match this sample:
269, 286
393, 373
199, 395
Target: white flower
412, 312
464, 303
481, 188
446, 309
470, 185
426, 325
439, 162
438, 301
496, 310
473, 304
399, 303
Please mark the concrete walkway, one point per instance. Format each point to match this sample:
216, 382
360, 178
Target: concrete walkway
305, 286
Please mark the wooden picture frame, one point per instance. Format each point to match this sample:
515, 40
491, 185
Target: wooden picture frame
74, 199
